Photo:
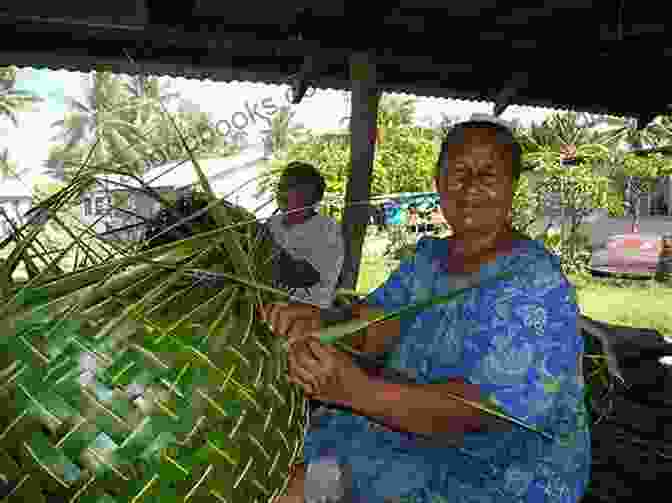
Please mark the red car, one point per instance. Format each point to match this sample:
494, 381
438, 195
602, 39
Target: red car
631, 254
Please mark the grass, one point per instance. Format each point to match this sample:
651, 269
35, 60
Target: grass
373, 273
634, 303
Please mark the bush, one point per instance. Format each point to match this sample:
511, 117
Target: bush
525, 207
579, 262
615, 204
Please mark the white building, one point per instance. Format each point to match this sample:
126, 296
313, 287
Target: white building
235, 178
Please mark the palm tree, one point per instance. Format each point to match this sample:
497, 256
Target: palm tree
622, 132
664, 129
562, 133
102, 119
7, 167
62, 161
282, 132
199, 130
13, 100
149, 100
569, 138
623, 135
392, 112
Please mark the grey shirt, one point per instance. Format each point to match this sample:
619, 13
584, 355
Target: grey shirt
318, 241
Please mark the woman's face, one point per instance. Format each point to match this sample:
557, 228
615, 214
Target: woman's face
475, 183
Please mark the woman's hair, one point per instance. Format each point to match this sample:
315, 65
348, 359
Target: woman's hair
503, 136
300, 173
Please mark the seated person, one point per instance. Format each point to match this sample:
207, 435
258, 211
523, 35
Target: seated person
313, 241
510, 343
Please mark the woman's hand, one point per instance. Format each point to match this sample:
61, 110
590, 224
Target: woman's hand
325, 373
291, 320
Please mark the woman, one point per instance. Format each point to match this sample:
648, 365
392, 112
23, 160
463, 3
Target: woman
512, 343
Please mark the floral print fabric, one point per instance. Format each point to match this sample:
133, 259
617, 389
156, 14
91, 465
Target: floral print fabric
517, 339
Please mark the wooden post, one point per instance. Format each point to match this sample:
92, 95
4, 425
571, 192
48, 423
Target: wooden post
363, 119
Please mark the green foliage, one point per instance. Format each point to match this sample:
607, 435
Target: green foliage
404, 162
650, 166
582, 189
13, 100
120, 199
615, 204
282, 132
556, 131
623, 132
8, 168
44, 190
122, 123
198, 128
525, 207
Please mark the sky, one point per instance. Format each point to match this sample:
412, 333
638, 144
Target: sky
231, 104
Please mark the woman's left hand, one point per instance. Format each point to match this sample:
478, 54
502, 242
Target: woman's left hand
325, 373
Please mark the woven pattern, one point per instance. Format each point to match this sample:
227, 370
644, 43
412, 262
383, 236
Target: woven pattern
189, 401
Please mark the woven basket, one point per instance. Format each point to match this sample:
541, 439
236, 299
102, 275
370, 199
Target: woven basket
217, 420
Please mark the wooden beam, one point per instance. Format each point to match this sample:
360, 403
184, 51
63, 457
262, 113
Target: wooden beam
363, 119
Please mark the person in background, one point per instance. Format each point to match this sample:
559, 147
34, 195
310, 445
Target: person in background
511, 344
312, 251
312, 240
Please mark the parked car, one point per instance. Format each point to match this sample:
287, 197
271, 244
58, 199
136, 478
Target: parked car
630, 254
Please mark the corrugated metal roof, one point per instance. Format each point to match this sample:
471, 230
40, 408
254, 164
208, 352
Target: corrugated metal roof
237, 76
83, 62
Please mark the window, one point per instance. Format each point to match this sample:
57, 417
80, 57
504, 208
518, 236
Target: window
87, 207
100, 205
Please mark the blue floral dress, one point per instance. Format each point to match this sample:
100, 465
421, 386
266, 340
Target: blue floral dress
517, 339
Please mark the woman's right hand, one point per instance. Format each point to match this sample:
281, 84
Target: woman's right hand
291, 320
296, 322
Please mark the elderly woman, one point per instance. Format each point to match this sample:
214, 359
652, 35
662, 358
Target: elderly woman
509, 343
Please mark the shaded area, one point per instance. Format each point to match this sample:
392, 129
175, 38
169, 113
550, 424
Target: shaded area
632, 446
